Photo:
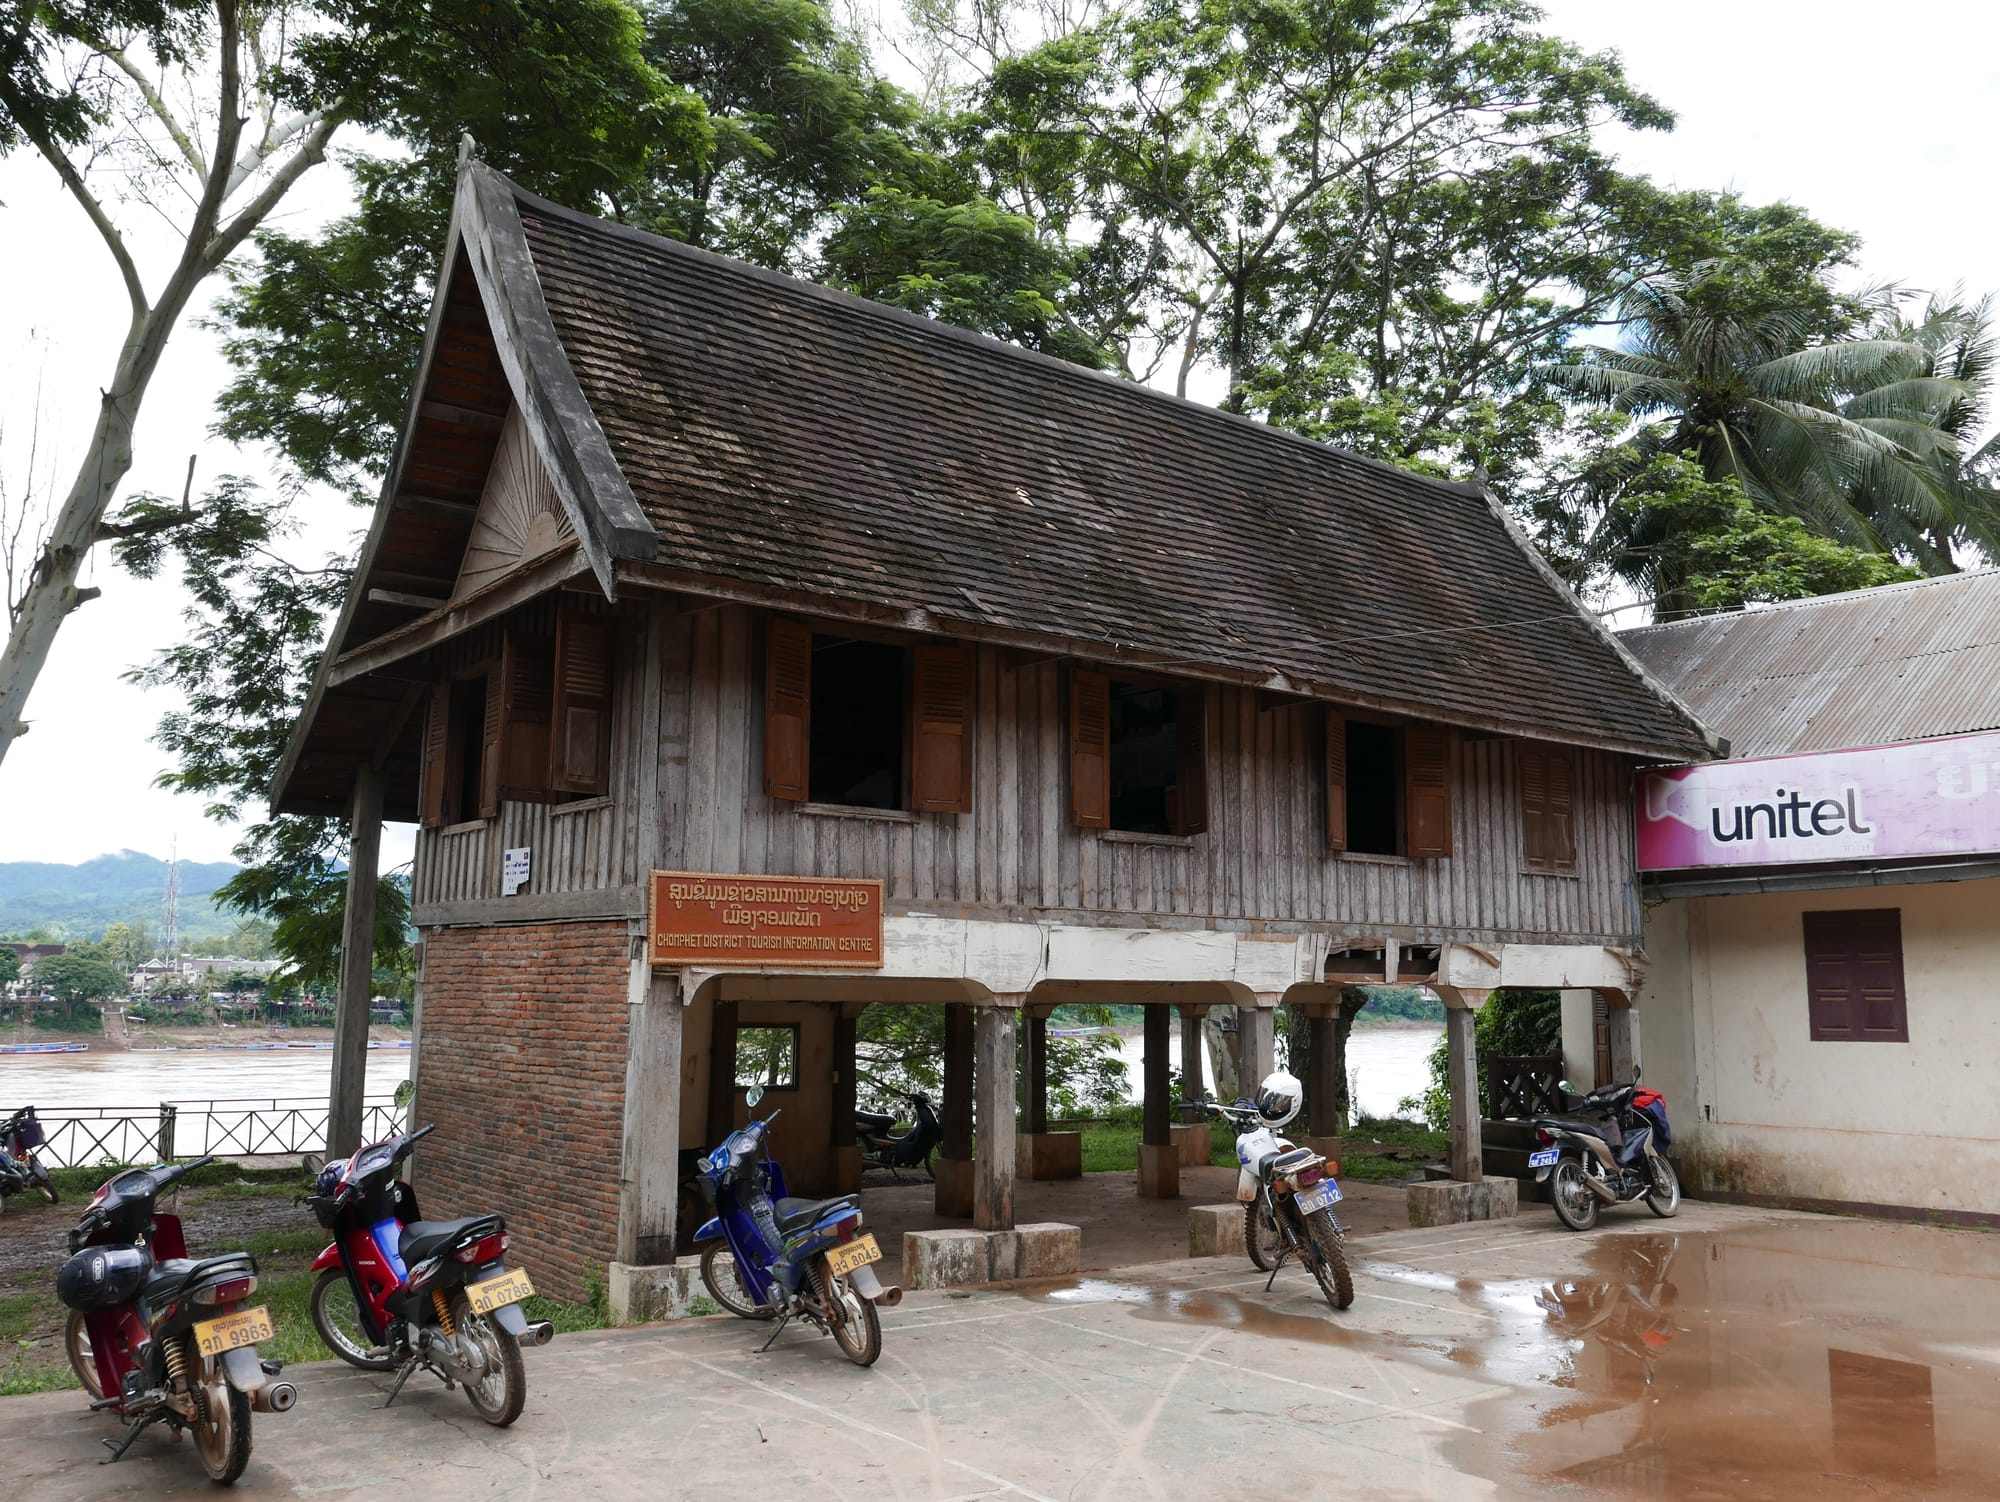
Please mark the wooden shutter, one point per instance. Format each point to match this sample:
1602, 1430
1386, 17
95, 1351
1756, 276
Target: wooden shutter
941, 729
1089, 750
527, 683
1336, 780
489, 747
1191, 760
437, 736
580, 727
1854, 976
787, 709
1548, 805
1427, 791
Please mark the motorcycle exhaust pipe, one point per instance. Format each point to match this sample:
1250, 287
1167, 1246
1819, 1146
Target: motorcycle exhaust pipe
1602, 1190
869, 1287
274, 1397
540, 1332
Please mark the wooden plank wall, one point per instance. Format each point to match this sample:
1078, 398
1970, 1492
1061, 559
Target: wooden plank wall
693, 749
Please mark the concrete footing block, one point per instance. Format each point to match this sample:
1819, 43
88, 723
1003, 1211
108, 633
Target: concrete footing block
639, 1295
1450, 1202
954, 1258
1159, 1172
1049, 1155
954, 1186
1216, 1231
1195, 1144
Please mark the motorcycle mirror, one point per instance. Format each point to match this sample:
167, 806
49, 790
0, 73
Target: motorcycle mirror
1637, 1074
755, 1094
1567, 1088
313, 1163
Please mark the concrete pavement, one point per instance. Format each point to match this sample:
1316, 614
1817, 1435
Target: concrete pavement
1726, 1353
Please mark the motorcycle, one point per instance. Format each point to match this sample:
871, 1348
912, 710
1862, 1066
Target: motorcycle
395, 1292
158, 1338
883, 1147
1634, 1317
1606, 1153
788, 1258
1288, 1196
20, 1169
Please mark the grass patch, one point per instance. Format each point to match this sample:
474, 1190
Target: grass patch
1112, 1144
1397, 1131
19, 1313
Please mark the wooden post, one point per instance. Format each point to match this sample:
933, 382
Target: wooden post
1468, 1164
993, 1082
1194, 1079
722, 1074
357, 965
1621, 1023
649, 1172
1323, 1089
846, 1150
955, 1194
1159, 1158
1254, 1026
1037, 1084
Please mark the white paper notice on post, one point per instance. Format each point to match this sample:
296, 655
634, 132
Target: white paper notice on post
513, 871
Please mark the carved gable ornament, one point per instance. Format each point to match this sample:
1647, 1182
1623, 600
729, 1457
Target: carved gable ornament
520, 516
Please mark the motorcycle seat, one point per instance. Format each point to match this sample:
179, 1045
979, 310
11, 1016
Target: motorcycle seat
874, 1121
796, 1215
1583, 1124
424, 1239
165, 1275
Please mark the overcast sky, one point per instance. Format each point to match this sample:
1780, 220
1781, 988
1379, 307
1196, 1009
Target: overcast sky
1875, 120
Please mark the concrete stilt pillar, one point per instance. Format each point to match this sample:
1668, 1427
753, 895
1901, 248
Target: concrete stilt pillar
357, 965
1194, 1079
649, 1175
1043, 1154
1159, 1157
1462, 1076
846, 1150
1035, 1089
953, 1166
993, 1090
1622, 1029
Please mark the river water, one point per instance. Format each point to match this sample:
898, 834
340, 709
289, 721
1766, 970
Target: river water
1384, 1064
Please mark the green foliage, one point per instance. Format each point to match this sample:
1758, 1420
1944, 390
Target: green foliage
900, 1048
1512, 1024
307, 899
10, 966
1391, 1004
41, 99
78, 974
80, 1018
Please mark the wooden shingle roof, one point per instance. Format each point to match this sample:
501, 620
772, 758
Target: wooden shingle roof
816, 444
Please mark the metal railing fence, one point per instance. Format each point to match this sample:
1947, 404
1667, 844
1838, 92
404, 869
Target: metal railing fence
247, 1127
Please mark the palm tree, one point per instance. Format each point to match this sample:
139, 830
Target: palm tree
1849, 435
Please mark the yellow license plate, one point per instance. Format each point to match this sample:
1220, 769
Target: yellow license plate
859, 1252
508, 1288
212, 1337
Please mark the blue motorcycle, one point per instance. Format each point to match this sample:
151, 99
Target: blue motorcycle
767, 1256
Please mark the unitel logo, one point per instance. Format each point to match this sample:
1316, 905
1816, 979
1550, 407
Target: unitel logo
1790, 816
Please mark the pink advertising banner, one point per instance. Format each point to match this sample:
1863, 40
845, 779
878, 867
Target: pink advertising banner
1920, 798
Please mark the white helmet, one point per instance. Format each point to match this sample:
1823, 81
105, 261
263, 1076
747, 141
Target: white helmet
1279, 1098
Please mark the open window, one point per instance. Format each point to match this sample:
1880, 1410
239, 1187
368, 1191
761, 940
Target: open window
1388, 788
867, 724
767, 1056
1138, 755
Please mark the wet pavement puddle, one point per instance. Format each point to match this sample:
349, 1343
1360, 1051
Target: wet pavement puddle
1844, 1358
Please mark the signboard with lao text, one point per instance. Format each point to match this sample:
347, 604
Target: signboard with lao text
795, 921
1921, 798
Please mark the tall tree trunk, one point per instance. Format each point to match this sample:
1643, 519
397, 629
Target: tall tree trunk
1352, 1000
1225, 1052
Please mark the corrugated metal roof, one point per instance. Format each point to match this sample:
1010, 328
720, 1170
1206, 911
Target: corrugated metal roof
1868, 668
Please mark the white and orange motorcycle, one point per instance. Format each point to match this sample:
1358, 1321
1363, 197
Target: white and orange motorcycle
1287, 1193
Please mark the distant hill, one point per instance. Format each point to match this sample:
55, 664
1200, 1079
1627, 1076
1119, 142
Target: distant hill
78, 902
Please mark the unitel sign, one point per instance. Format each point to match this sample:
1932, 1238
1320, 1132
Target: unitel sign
1919, 798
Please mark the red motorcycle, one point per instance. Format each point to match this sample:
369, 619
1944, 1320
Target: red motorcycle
158, 1338
396, 1293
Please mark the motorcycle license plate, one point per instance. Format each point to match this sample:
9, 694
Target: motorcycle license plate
509, 1288
859, 1252
215, 1337
1545, 1158
1322, 1194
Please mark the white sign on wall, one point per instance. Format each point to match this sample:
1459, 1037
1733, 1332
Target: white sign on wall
513, 871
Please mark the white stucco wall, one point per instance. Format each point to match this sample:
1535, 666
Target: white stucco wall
1759, 1108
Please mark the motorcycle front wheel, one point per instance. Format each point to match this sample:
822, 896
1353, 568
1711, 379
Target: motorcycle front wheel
500, 1395
1570, 1193
1664, 1199
44, 1185
222, 1423
82, 1360
856, 1327
718, 1276
1261, 1238
338, 1321
1329, 1260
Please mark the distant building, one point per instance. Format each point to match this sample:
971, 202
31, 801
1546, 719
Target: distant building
1819, 927
32, 954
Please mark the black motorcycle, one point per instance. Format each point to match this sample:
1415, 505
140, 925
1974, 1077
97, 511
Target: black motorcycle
883, 1147
20, 1169
1605, 1152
